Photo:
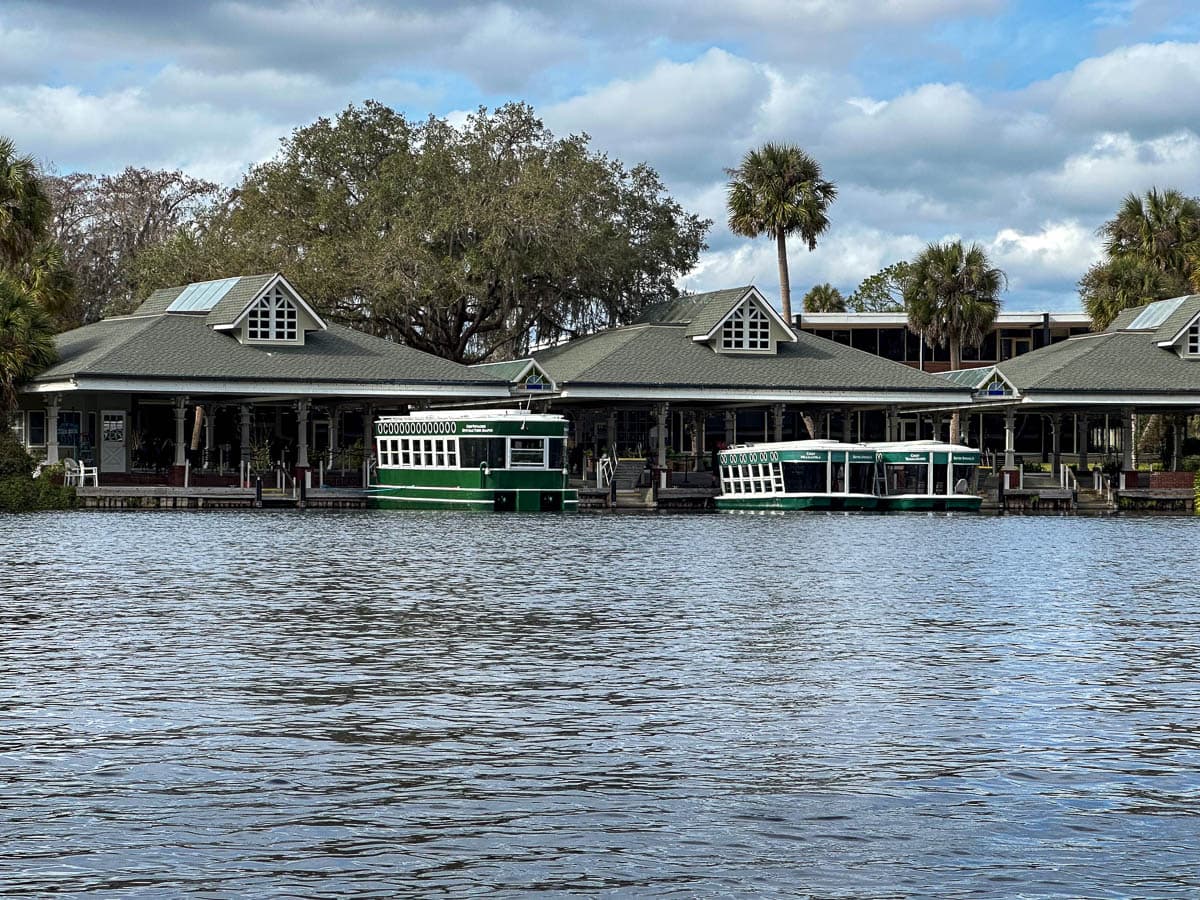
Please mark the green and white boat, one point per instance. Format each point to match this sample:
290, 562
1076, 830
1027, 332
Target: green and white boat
928, 475
797, 475
491, 460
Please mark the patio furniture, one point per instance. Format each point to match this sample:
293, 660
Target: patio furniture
77, 474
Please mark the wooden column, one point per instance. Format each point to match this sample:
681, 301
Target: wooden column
777, 410
1082, 440
1128, 455
1010, 438
210, 442
661, 411
52, 429
180, 424
1056, 443
302, 407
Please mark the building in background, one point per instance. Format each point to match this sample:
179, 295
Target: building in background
887, 335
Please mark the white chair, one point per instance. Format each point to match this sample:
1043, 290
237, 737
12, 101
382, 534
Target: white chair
78, 474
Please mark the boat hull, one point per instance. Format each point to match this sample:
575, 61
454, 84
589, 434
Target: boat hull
478, 499
917, 503
807, 501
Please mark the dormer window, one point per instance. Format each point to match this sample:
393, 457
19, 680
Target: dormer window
747, 328
272, 318
1193, 340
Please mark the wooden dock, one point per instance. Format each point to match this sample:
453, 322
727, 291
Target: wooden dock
135, 496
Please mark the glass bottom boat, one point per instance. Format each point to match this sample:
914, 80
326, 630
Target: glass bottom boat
797, 475
909, 475
488, 460
928, 475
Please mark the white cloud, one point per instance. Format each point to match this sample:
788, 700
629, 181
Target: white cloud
690, 120
1117, 164
1144, 89
1054, 255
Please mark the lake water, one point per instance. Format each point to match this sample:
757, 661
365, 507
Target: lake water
386, 704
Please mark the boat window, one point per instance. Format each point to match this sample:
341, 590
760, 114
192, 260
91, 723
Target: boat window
804, 477
966, 478
405, 452
907, 479
528, 452
862, 478
452, 453
475, 451
839, 477
556, 453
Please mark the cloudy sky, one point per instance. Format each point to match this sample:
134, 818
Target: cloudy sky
1015, 123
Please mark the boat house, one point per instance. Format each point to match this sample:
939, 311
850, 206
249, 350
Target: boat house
1092, 388
203, 378
720, 368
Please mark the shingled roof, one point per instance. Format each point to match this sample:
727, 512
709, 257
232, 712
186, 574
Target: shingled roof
1130, 358
649, 356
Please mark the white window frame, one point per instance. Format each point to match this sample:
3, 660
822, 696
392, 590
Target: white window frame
748, 329
274, 318
29, 427
1191, 340
508, 447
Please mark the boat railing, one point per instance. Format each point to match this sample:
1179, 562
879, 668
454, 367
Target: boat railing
1067, 480
605, 469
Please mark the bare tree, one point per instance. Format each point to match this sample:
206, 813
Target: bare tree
103, 222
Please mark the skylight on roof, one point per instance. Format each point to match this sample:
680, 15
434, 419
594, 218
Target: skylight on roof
1154, 314
202, 296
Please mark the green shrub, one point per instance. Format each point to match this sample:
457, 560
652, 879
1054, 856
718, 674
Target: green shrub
53, 494
13, 458
18, 493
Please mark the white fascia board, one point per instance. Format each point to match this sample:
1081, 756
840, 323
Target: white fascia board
752, 292
1180, 333
291, 388
766, 395
1184, 400
267, 287
50, 387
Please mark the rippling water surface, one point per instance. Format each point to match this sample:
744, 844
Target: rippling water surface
259, 704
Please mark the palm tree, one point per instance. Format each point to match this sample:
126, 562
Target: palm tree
26, 341
824, 298
1161, 230
1121, 282
952, 294
25, 211
777, 191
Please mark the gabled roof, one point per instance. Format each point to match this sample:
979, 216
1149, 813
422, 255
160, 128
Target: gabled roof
977, 378
664, 356
507, 369
1112, 362
702, 314
514, 371
1173, 327
146, 348
223, 301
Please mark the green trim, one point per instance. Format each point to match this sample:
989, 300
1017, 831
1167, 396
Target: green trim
515, 500
928, 503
